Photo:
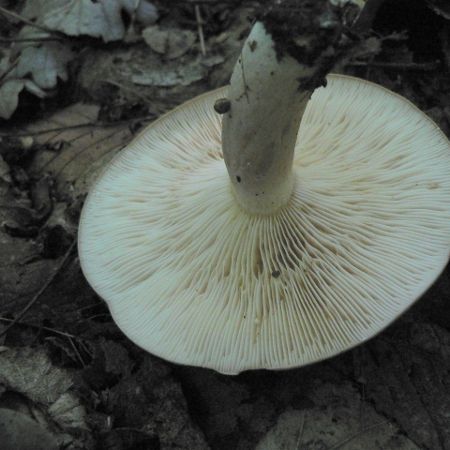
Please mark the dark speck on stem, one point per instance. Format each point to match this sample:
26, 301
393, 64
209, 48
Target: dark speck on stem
238, 178
252, 45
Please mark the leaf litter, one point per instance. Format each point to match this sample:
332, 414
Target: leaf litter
170, 42
44, 388
38, 64
142, 402
45, 64
100, 384
101, 19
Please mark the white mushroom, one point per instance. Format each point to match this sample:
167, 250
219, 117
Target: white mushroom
318, 242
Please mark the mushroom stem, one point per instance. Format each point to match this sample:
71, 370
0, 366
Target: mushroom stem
283, 60
260, 130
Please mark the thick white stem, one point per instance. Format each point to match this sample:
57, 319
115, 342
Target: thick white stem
260, 130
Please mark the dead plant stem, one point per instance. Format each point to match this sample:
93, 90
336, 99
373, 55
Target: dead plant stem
201, 36
8, 13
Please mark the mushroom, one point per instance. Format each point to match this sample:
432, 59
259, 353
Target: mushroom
310, 239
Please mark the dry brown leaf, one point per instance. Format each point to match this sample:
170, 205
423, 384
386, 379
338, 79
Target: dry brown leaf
170, 42
174, 73
83, 147
335, 422
45, 63
9, 95
73, 152
31, 373
102, 18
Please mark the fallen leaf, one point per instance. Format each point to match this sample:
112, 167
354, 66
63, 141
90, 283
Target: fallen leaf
35, 9
4, 64
170, 42
19, 431
173, 74
84, 147
83, 17
81, 150
335, 422
45, 63
68, 412
30, 372
26, 36
4, 171
102, 18
9, 95
146, 13
151, 399
34, 89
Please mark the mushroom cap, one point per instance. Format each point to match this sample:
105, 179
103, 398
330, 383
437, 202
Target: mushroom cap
191, 277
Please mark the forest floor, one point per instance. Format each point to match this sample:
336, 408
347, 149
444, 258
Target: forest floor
71, 98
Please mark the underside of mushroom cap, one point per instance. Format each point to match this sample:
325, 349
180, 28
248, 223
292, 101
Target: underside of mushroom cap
191, 277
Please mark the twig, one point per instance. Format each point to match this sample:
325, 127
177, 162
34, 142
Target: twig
42, 39
82, 342
39, 327
9, 69
7, 12
95, 316
397, 66
74, 127
84, 308
69, 336
41, 291
355, 435
77, 353
300, 434
201, 37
